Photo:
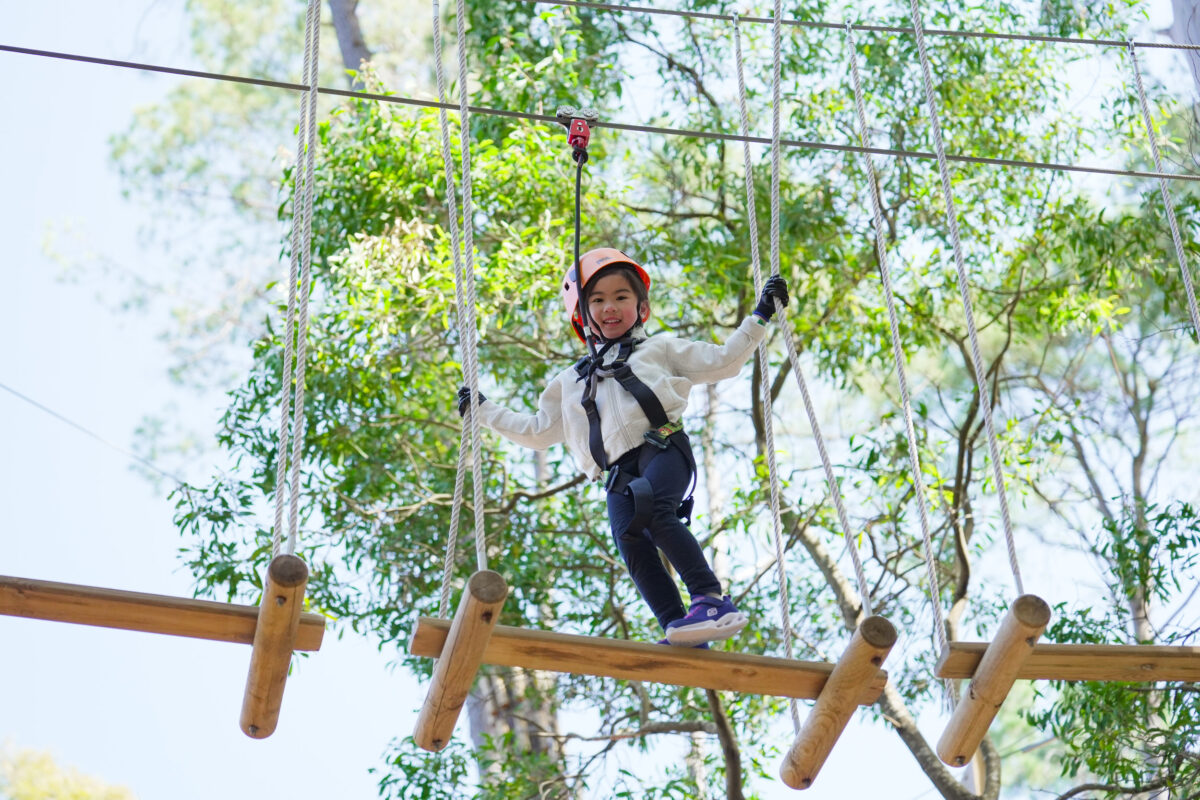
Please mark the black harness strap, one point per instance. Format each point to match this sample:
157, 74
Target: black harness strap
586, 368
592, 370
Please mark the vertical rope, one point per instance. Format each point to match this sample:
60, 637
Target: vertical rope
1184, 269
291, 424
465, 320
881, 252
784, 326
460, 316
793, 357
469, 342
785, 615
776, 102
313, 23
985, 396
864, 589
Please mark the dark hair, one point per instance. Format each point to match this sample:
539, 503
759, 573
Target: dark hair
631, 276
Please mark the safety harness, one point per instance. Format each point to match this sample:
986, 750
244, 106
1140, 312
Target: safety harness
591, 369
661, 435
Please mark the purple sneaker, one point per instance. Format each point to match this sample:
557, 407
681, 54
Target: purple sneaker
708, 620
701, 646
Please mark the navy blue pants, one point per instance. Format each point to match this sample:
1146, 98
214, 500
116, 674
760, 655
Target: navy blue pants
670, 475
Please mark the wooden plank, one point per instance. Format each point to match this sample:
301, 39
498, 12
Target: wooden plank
858, 665
642, 661
993, 680
455, 672
137, 611
1084, 662
274, 640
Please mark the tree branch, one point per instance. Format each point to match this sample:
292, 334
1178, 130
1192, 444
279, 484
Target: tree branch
729, 746
1112, 787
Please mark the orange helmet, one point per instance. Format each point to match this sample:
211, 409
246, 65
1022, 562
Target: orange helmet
590, 263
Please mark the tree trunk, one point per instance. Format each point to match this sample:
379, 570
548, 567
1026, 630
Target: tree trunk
1185, 29
349, 35
519, 703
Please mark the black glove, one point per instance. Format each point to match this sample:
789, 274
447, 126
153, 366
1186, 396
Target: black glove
464, 400
774, 289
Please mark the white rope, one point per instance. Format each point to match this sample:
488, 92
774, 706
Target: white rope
914, 461
460, 299
469, 348
464, 290
785, 615
455, 515
785, 328
864, 589
299, 283
985, 396
1184, 269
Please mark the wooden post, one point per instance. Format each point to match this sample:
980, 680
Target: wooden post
455, 671
274, 638
857, 667
1018, 633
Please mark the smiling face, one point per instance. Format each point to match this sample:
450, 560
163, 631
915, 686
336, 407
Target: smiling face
614, 305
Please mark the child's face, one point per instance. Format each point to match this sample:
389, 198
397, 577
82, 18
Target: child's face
613, 305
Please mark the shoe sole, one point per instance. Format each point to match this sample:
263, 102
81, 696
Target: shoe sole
726, 627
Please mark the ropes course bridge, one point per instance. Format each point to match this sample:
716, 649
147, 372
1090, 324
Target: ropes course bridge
472, 637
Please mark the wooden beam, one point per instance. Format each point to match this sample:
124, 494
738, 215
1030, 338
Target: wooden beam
1084, 662
137, 611
274, 639
462, 653
858, 667
642, 661
1018, 633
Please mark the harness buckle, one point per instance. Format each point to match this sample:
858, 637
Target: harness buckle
657, 439
659, 436
614, 477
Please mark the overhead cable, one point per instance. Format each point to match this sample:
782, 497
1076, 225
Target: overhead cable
805, 23
128, 454
681, 132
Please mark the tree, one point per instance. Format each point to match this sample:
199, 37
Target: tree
1051, 279
30, 775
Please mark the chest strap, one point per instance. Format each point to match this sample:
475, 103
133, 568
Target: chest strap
592, 370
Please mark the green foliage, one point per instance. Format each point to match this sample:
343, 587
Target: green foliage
417, 775
1071, 298
31, 775
1153, 552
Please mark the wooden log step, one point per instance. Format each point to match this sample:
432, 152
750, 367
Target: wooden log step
993, 679
274, 643
870, 645
138, 611
462, 653
643, 661
1084, 662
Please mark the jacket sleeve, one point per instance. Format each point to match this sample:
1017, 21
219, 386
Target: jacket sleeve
537, 431
703, 362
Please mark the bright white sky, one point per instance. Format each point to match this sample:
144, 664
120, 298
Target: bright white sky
160, 714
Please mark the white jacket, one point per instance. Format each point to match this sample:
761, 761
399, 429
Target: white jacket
668, 365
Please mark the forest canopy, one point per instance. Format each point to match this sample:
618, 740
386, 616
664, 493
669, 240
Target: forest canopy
1088, 356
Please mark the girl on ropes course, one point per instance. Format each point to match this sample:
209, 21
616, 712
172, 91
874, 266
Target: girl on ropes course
618, 411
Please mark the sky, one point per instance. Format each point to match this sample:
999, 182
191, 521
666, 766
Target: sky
159, 714
155, 713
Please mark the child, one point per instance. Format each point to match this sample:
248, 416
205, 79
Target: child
618, 411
